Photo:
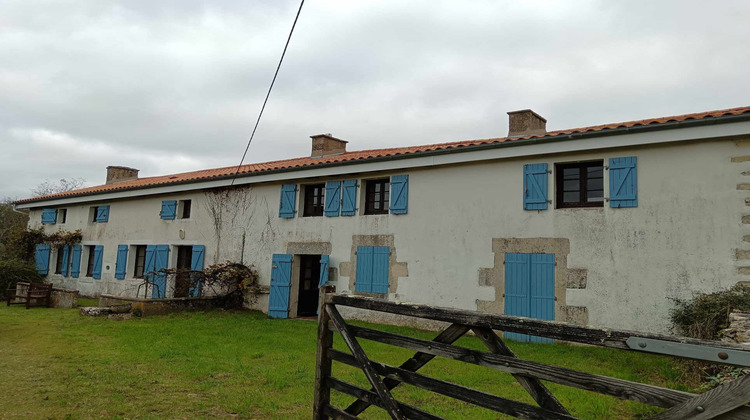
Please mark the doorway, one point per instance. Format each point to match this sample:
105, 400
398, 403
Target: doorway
309, 277
182, 279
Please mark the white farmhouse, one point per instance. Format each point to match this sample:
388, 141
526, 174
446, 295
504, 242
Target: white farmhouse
598, 225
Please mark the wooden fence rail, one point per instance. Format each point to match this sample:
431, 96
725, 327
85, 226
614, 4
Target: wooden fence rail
727, 401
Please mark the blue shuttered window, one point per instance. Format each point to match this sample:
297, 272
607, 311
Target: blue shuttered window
288, 201
535, 186
41, 258
49, 216
349, 197
324, 259
98, 255
168, 210
66, 260
530, 289
333, 198
399, 202
121, 265
623, 182
372, 269
281, 281
196, 264
102, 214
75, 261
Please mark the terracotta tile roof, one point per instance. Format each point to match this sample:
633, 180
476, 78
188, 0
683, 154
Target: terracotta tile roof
364, 155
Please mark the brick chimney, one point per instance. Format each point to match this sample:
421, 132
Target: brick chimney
120, 173
526, 123
327, 145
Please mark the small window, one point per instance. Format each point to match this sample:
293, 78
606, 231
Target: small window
92, 214
62, 215
377, 193
314, 195
580, 184
90, 265
140, 261
185, 207
60, 263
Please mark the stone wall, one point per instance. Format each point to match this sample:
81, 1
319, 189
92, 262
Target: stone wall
739, 328
61, 298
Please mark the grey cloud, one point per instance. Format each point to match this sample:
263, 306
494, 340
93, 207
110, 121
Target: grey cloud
176, 85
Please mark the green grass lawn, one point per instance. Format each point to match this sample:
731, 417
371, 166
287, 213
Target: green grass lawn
57, 364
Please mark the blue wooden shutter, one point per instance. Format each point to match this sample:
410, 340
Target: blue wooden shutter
333, 198
349, 197
542, 291
75, 263
324, 259
98, 254
288, 201
281, 281
363, 281
623, 182
121, 265
160, 262
148, 265
517, 302
41, 257
380, 264
535, 186
399, 202
196, 264
168, 209
102, 214
49, 216
66, 259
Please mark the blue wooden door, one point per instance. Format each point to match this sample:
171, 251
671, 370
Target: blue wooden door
530, 289
281, 282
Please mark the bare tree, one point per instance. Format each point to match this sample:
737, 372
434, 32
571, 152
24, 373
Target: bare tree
47, 187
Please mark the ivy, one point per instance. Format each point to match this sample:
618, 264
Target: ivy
22, 243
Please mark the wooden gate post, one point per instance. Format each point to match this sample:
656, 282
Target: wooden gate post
323, 359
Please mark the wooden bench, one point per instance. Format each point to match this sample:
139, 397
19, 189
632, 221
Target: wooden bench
40, 293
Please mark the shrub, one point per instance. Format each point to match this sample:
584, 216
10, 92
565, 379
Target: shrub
234, 283
238, 282
705, 314
15, 270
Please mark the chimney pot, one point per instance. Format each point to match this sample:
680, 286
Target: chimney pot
526, 123
327, 145
120, 174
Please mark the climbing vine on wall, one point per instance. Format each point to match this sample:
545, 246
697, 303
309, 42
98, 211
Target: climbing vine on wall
22, 242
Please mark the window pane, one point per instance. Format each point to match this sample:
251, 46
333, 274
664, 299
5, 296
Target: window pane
595, 172
571, 173
573, 185
595, 195
596, 184
571, 197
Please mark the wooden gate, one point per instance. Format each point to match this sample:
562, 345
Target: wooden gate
728, 400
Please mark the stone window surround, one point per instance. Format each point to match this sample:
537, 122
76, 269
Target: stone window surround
565, 278
395, 269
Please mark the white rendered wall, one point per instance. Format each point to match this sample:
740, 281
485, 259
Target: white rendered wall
681, 238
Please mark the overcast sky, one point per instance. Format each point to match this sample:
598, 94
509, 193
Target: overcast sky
172, 86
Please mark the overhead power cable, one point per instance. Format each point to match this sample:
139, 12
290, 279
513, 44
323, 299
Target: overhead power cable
270, 88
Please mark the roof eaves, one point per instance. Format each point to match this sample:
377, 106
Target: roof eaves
490, 144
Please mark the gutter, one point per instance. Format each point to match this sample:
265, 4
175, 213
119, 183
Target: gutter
708, 121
